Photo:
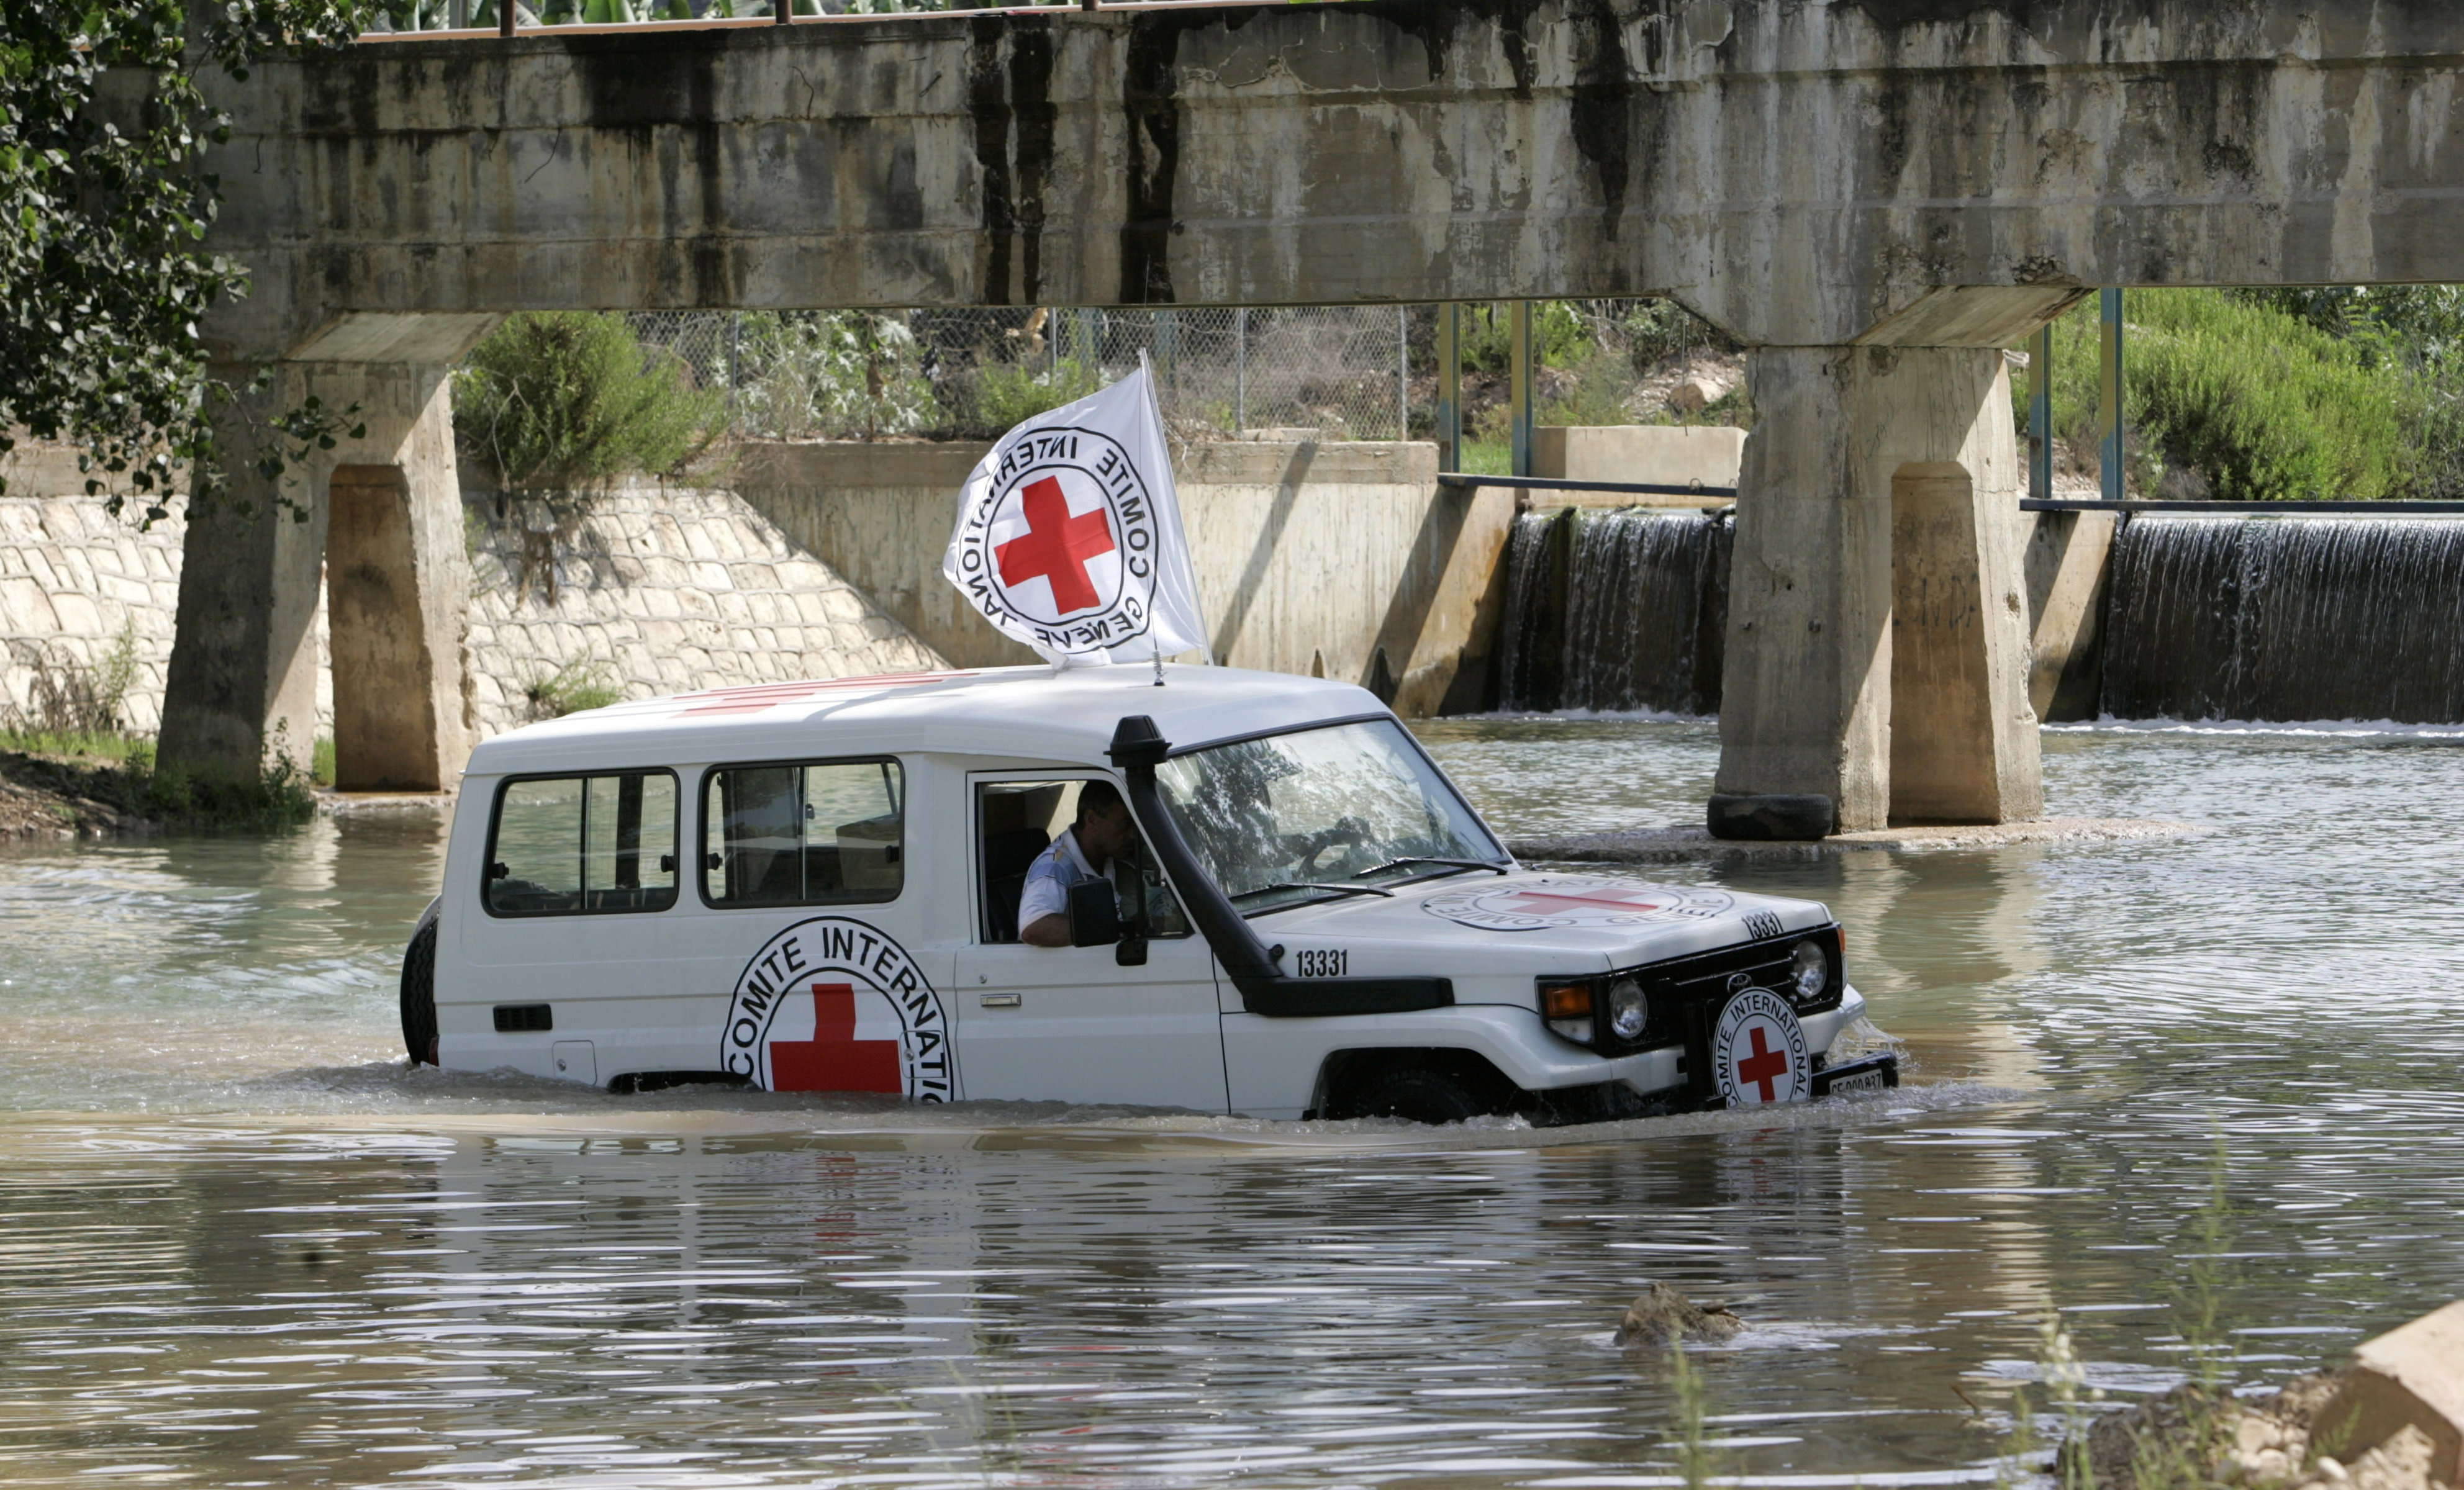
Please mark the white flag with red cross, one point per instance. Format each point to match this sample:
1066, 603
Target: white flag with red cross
1070, 536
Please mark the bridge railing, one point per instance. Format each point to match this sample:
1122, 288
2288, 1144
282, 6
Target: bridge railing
444, 15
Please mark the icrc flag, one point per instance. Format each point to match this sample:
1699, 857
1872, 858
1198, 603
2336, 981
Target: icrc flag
1070, 536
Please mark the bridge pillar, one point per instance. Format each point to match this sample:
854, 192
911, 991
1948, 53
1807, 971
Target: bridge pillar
242, 681
1877, 648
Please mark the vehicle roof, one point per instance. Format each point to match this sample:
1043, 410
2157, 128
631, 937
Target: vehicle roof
1031, 712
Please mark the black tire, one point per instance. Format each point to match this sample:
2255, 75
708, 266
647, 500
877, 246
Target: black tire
419, 996
1417, 1094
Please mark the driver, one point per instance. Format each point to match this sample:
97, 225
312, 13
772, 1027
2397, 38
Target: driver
1102, 833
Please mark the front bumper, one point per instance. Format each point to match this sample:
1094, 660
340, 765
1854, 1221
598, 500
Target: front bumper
1653, 1073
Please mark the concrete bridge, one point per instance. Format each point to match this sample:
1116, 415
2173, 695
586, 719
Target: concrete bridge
1876, 194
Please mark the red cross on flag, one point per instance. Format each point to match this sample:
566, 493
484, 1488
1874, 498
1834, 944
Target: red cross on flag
1069, 536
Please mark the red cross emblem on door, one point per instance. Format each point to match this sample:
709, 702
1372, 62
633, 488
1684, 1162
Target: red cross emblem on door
1056, 547
1764, 1066
834, 1060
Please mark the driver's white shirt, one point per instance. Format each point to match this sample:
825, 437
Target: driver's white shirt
1048, 880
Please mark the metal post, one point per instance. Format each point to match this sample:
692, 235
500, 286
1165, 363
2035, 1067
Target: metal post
1518, 336
1240, 369
505, 18
1402, 372
1165, 335
781, 10
457, 15
2110, 391
1450, 386
2040, 414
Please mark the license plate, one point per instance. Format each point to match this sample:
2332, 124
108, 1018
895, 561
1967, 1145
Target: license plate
1873, 1073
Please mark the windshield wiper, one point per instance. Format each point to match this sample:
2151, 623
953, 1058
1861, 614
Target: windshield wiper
1340, 890
1459, 863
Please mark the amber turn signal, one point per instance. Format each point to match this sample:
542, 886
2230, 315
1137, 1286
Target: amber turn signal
1566, 1000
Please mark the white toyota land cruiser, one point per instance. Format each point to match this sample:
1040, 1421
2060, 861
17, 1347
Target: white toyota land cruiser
814, 887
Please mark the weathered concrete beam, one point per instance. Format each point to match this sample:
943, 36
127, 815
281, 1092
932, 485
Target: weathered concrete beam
1802, 173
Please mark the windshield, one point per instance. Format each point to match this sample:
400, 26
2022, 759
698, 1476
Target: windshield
1274, 820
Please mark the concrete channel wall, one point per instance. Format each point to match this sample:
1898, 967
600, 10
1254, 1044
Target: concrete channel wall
1345, 560
1342, 560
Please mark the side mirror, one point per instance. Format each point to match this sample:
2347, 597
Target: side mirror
1094, 913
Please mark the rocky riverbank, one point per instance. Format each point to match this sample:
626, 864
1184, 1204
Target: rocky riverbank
50, 797
66, 797
2391, 1420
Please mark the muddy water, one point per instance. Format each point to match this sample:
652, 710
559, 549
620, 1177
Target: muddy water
240, 1246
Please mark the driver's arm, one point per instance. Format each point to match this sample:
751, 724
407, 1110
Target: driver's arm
1043, 906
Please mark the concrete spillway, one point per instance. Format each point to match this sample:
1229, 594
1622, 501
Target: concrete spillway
2285, 618
2292, 619
1614, 611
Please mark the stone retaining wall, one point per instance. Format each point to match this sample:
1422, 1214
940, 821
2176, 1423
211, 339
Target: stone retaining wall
72, 577
660, 590
657, 590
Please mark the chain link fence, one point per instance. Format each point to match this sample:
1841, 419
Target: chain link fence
1344, 372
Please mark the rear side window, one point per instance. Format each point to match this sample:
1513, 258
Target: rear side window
812, 833
576, 844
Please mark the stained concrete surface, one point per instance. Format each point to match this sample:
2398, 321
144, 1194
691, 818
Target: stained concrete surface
1912, 174
1848, 444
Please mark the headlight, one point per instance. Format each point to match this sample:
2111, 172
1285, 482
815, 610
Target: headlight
1629, 1010
1812, 970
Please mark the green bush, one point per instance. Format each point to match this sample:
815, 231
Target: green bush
2262, 405
583, 683
1559, 338
1007, 393
564, 401
1596, 395
832, 375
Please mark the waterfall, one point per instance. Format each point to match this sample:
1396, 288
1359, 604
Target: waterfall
2286, 618
1613, 610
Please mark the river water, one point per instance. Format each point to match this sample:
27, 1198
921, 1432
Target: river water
242, 1246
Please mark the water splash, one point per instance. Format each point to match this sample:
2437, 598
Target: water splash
1615, 611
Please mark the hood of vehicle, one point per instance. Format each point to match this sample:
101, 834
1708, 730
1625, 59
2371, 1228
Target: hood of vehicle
1546, 922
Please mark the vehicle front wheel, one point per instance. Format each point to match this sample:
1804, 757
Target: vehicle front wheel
1417, 1094
419, 996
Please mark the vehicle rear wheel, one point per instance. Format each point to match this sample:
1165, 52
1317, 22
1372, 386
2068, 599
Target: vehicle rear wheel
419, 996
1417, 1094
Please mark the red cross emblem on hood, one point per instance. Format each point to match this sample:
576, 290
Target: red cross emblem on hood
1541, 901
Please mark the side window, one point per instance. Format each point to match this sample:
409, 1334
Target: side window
818, 833
1016, 822
573, 845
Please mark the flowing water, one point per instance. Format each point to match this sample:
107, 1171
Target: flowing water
242, 1246
2206, 618
1621, 610
2286, 618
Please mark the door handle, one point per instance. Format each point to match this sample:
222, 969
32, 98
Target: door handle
1001, 1001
